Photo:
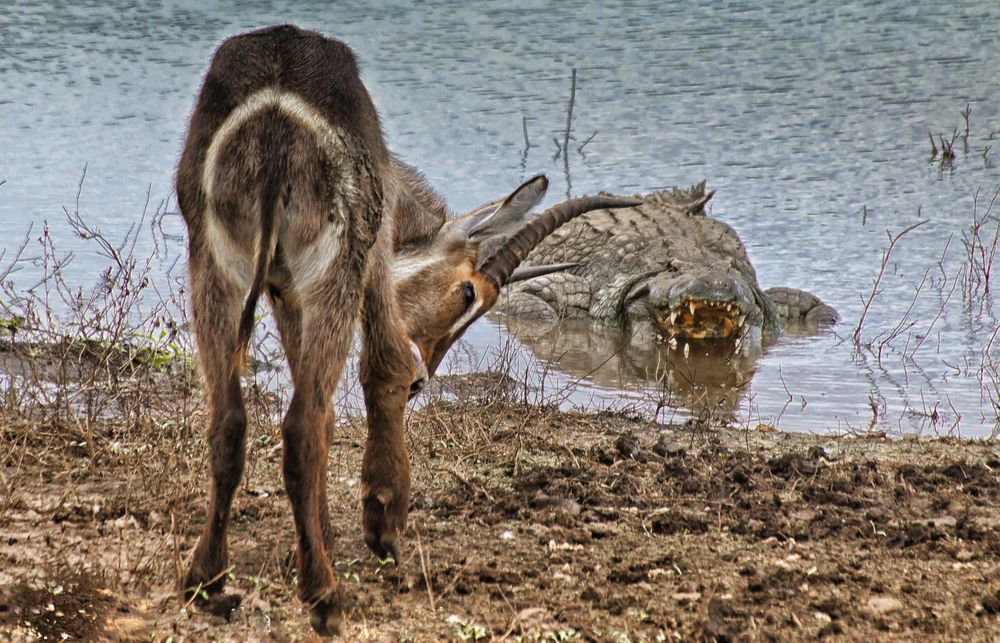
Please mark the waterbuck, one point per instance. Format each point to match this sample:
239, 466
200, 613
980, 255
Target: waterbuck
287, 189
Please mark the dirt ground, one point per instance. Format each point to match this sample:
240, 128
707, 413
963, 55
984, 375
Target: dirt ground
527, 524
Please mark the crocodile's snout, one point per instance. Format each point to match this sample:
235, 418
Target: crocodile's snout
702, 306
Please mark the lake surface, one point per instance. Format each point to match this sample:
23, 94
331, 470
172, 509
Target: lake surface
811, 121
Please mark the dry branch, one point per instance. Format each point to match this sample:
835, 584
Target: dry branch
886, 254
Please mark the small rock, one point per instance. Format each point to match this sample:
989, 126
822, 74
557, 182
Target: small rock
822, 618
964, 555
570, 506
945, 521
628, 445
883, 604
667, 447
687, 597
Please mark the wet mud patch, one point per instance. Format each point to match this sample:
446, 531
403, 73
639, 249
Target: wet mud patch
526, 522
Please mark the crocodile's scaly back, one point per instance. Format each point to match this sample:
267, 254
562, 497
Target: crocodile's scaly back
674, 220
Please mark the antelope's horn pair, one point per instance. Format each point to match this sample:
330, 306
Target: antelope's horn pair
501, 267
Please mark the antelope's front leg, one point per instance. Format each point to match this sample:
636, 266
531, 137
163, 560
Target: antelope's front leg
386, 373
385, 470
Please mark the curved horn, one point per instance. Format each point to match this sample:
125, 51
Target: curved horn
501, 264
530, 272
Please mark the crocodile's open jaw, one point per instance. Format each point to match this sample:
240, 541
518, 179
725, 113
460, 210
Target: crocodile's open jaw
702, 319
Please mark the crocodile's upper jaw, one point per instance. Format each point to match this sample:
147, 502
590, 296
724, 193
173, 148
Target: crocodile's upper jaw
702, 319
708, 305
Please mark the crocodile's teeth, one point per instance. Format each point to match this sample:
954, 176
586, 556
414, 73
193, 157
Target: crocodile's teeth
691, 306
673, 316
673, 342
729, 307
741, 320
687, 350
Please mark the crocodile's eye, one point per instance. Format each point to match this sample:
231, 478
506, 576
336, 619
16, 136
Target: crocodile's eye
468, 294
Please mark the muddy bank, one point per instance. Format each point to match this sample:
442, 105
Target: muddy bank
526, 524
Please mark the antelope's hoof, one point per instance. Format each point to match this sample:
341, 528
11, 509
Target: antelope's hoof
383, 525
326, 614
208, 596
385, 546
200, 586
219, 604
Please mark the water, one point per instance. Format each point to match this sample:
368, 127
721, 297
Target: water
810, 120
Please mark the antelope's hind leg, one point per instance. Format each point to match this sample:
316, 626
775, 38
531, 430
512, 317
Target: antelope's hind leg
288, 316
324, 322
216, 304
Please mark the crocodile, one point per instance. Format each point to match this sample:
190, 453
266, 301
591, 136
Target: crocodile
663, 267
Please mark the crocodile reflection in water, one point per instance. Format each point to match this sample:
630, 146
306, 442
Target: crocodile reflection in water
709, 380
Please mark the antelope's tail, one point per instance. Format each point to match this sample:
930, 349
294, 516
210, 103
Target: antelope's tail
271, 182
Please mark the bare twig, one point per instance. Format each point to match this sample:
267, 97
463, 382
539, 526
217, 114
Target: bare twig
527, 143
468, 485
12, 266
569, 112
424, 566
980, 252
903, 324
893, 239
948, 149
579, 149
967, 115
923, 337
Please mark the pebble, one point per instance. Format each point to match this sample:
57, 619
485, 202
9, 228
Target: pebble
883, 604
687, 597
822, 618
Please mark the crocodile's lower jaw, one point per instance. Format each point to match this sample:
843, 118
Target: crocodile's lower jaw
702, 319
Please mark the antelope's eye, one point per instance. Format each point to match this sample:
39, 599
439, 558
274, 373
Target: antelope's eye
468, 293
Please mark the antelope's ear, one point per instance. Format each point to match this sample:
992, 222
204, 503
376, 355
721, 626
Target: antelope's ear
506, 217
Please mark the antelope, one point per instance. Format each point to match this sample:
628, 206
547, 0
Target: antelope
287, 189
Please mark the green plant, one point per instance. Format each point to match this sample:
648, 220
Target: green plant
159, 353
11, 325
468, 630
